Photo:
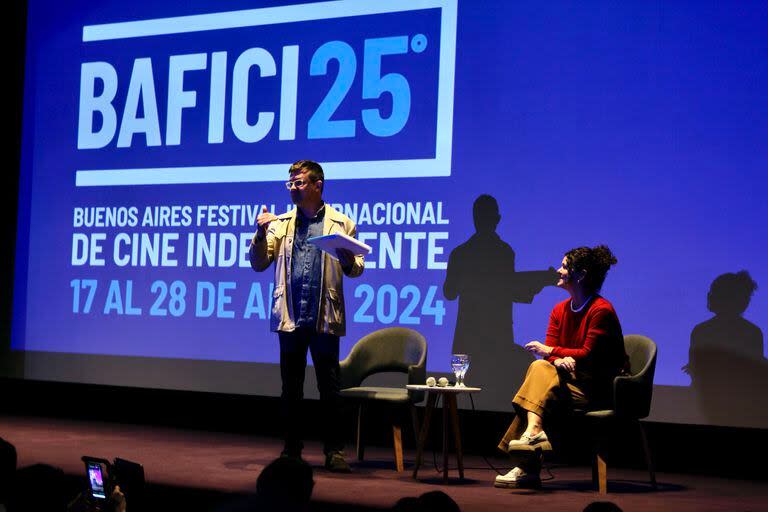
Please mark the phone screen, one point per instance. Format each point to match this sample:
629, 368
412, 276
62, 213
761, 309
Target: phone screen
96, 480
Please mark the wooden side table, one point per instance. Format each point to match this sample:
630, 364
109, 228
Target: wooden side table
450, 413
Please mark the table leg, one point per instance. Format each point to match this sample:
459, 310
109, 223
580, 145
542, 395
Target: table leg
446, 413
431, 399
360, 441
453, 408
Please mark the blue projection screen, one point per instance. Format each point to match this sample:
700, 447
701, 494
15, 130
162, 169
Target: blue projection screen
154, 134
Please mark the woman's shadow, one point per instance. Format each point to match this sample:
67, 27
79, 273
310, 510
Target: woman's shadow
725, 359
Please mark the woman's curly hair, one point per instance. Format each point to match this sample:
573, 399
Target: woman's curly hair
594, 261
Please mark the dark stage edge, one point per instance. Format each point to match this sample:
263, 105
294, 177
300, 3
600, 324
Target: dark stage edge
205, 470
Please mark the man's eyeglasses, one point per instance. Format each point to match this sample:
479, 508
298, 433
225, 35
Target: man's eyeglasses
295, 184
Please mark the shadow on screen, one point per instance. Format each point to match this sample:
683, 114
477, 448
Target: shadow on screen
481, 274
725, 359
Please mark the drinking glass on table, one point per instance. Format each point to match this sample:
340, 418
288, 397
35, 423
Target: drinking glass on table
460, 365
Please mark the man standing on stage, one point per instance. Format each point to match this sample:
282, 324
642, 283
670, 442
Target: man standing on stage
308, 309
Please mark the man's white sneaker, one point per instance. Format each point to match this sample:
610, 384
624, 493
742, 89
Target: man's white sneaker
517, 479
529, 440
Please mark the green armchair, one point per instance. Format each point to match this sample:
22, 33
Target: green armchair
394, 349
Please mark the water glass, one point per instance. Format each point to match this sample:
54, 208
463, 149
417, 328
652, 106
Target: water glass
460, 365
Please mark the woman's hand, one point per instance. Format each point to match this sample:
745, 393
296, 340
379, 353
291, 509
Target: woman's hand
566, 363
538, 349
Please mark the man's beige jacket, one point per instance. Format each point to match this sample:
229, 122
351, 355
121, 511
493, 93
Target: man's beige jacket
277, 246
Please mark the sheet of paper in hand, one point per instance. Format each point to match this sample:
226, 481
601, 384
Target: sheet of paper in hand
329, 244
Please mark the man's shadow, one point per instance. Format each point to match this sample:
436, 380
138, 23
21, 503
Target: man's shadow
481, 273
725, 359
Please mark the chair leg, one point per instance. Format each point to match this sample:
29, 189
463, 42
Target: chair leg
602, 473
647, 452
397, 435
360, 442
595, 477
599, 467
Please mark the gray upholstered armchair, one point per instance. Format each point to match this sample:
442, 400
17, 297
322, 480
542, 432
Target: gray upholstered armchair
394, 349
632, 402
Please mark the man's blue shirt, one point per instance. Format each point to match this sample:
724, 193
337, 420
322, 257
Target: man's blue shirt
306, 269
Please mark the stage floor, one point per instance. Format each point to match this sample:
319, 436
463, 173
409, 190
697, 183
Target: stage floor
214, 468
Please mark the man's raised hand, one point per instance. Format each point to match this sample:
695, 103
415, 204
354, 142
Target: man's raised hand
263, 221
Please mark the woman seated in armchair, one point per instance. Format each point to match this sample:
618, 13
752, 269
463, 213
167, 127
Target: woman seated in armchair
582, 354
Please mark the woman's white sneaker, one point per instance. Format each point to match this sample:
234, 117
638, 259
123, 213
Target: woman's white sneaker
528, 440
516, 479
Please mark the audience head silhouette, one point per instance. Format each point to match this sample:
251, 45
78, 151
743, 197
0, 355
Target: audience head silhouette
432, 501
602, 506
7, 469
486, 214
731, 293
437, 501
39, 488
285, 484
407, 504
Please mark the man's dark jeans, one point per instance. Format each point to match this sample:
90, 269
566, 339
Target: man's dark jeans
293, 362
